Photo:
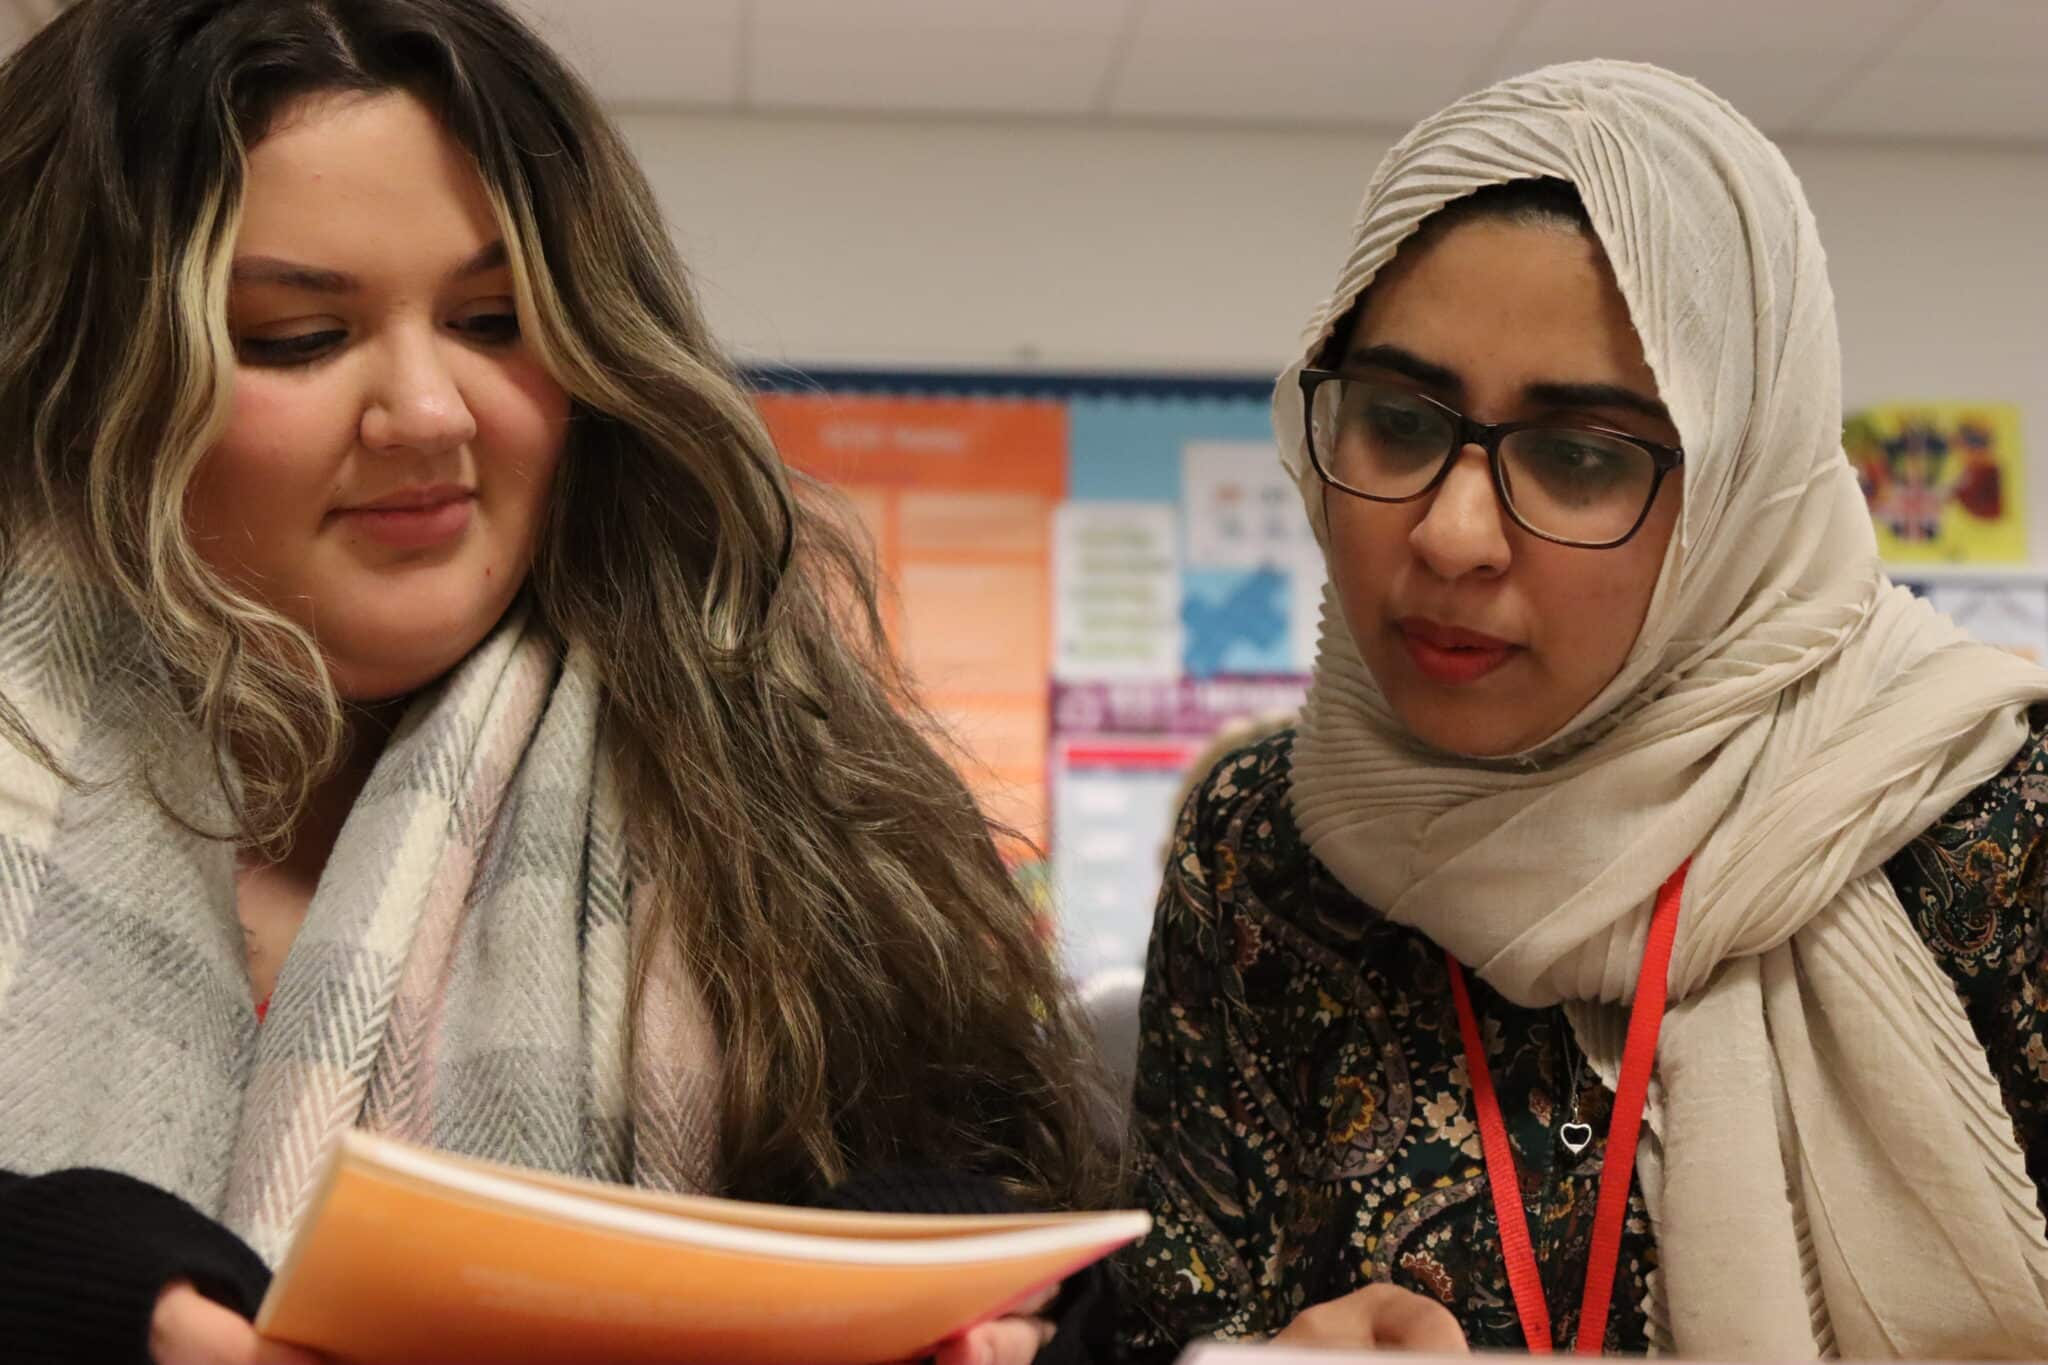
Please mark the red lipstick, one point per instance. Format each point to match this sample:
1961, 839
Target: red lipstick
1451, 655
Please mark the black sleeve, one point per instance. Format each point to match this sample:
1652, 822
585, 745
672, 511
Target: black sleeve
84, 1255
1083, 1315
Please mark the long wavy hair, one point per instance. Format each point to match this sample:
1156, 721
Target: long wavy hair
880, 988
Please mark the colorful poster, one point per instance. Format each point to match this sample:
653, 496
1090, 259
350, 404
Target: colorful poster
1142, 555
958, 495
1945, 481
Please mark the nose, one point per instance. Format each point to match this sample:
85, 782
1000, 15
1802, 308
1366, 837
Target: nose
415, 403
1463, 527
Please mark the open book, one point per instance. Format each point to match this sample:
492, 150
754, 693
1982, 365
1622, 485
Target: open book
408, 1256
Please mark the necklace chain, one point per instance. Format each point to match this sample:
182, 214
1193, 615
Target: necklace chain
1570, 1106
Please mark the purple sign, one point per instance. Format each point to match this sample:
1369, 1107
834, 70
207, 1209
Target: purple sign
1193, 707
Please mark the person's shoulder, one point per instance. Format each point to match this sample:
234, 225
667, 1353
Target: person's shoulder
1239, 834
2018, 793
1968, 880
1249, 782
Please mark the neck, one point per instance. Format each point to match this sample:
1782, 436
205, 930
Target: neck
319, 825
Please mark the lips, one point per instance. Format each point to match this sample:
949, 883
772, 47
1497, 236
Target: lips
417, 498
418, 518
1452, 655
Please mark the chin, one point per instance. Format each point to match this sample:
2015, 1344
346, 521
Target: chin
367, 684
1467, 725
1488, 718
401, 660
1463, 740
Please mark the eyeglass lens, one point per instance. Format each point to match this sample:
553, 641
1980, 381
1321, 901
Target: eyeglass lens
1568, 482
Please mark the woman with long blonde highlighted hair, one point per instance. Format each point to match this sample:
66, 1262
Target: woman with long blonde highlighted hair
433, 705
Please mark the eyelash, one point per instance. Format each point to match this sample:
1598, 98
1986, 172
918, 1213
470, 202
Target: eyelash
490, 330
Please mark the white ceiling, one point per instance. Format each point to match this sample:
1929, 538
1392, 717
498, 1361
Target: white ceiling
1967, 69
1948, 69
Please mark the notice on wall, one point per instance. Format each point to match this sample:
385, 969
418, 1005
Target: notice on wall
1123, 756
2011, 614
1117, 566
1254, 574
1113, 812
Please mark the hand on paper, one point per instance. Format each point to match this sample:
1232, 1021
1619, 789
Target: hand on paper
1006, 1341
1012, 1340
188, 1328
1382, 1317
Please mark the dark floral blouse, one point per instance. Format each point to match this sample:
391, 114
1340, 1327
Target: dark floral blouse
1303, 1122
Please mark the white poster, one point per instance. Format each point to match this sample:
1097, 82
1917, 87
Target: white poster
1243, 510
2011, 615
1116, 577
1113, 813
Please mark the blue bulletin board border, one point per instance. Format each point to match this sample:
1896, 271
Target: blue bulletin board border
1054, 384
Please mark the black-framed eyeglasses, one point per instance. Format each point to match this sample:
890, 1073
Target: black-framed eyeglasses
1583, 486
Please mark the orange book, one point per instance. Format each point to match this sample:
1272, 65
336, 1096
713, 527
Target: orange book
414, 1257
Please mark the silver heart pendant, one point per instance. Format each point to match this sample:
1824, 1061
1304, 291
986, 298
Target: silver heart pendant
1575, 1136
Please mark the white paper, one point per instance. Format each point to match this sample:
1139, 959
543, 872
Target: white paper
1242, 509
1116, 575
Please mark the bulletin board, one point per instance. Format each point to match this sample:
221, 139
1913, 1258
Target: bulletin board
1091, 575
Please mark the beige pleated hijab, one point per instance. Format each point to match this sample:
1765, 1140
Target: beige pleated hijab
1828, 1164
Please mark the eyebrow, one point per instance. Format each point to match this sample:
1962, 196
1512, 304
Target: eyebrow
1546, 393
316, 280
1384, 357
1549, 395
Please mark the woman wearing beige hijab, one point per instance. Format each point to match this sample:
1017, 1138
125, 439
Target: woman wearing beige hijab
1637, 945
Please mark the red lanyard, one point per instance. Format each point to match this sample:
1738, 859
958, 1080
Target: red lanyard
1645, 1017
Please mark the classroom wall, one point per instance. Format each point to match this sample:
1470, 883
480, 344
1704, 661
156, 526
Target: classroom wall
909, 242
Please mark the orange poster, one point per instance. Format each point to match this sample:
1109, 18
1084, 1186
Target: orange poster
958, 494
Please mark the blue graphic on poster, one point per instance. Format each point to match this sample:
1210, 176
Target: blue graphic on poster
1235, 621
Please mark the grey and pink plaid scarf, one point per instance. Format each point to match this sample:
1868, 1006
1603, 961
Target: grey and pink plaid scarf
462, 979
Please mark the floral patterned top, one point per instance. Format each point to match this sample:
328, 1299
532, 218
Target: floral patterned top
1303, 1123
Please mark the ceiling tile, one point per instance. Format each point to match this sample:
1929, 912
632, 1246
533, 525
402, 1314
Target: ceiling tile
1774, 90
923, 16
815, 66
1311, 23
1960, 31
1604, 27
1998, 97
1272, 80
684, 52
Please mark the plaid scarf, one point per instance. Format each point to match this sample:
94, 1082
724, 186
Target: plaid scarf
461, 979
